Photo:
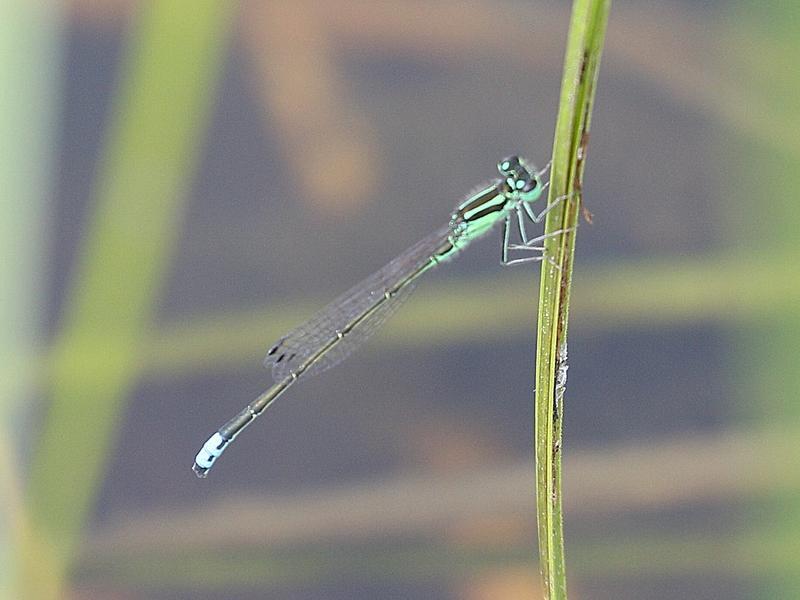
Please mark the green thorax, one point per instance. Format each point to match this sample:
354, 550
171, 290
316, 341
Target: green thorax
491, 205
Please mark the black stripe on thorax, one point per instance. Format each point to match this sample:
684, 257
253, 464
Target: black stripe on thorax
487, 211
481, 199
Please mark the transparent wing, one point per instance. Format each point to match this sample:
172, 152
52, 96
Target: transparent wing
292, 350
360, 334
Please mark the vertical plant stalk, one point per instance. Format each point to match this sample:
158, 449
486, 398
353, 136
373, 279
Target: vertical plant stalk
582, 59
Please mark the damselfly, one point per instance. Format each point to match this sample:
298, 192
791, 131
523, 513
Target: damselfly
339, 328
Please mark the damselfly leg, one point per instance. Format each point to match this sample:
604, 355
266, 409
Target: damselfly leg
538, 218
545, 169
528, 246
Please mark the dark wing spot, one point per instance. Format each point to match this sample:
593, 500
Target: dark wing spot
292, 356
280, 358
273, 350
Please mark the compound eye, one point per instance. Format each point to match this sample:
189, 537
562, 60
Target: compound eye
509, 166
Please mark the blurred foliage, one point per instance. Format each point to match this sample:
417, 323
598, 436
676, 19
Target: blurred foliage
28, 73
155, 136
761, 42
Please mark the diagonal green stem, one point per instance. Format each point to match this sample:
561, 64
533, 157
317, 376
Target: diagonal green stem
584, 46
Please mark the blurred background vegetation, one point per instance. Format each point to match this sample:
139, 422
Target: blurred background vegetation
181, 182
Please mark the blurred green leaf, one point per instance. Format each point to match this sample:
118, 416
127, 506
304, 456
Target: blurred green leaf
168, 84
762, 47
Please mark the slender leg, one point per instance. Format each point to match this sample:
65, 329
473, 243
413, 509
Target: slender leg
545, 169
521, 247
522, 233
528, 244
506, 227
538, 218
506, 232
527, 259
545, 185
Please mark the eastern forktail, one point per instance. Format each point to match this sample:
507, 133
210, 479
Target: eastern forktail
339, 328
